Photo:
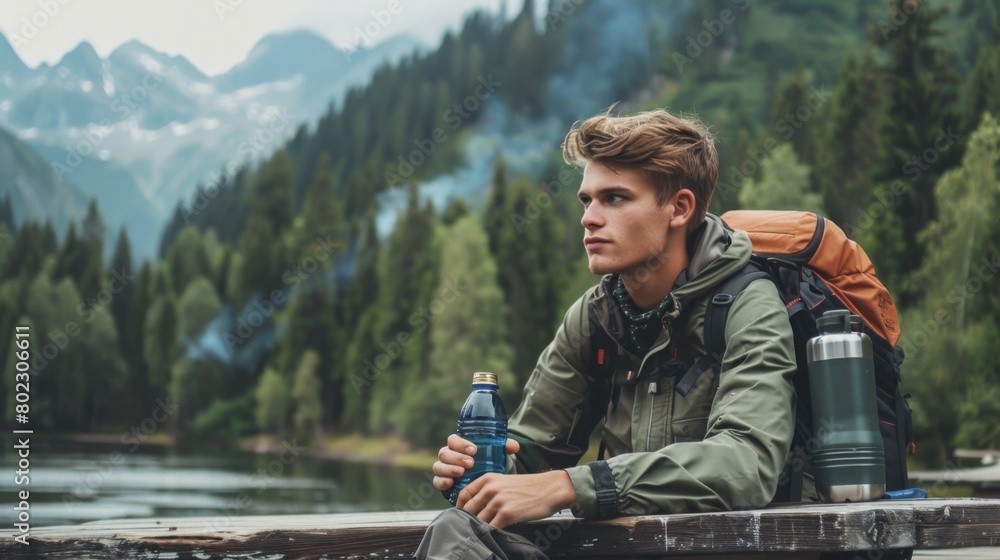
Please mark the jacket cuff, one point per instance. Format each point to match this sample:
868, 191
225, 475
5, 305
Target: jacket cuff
596, 491
586, 495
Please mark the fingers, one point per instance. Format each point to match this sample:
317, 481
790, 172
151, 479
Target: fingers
452, 461
461, 445
471, 491
443, 482
512, 447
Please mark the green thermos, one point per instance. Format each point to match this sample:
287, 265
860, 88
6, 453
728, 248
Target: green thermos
849, 458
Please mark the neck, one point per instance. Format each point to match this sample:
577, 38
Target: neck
650, 283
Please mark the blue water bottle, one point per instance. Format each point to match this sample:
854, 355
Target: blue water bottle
483, 421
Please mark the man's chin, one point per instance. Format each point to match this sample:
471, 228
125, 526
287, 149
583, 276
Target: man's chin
597, 267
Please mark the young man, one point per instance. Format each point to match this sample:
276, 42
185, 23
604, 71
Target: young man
677, 442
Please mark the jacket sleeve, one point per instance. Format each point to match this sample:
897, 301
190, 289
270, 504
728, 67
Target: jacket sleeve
750, 426
559, 408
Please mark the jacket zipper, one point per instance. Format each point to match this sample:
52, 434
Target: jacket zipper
649, 426
653, 388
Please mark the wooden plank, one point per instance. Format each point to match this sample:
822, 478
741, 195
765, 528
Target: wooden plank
792, 532
957, 523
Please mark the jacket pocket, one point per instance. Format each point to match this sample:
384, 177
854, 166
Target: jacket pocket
691, 429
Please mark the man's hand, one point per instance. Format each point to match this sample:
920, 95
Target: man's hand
456, 457
503, 500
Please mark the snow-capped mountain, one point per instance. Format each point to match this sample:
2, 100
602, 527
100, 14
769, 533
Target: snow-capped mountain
140, 129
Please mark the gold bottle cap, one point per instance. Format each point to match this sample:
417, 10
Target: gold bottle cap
483, 377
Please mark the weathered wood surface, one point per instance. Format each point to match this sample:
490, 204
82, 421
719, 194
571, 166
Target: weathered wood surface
787, 532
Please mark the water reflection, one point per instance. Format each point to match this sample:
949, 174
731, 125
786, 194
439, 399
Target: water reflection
75, 483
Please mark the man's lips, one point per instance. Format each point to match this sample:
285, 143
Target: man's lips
595, 242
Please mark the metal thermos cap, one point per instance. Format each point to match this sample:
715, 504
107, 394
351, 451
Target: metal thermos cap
837, 321
483, 377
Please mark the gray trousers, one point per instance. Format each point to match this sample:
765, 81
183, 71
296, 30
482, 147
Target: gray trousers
456, 534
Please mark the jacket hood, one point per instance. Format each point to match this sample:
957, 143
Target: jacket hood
715, 253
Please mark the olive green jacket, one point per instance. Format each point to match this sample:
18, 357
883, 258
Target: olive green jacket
720, 447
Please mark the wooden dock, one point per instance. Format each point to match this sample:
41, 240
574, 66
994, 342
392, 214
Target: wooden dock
785, 532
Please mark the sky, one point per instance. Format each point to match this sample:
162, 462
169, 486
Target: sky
215, 35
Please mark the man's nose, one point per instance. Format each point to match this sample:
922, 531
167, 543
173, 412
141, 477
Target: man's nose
591, 217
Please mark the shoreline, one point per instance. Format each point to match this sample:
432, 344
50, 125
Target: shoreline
384, 450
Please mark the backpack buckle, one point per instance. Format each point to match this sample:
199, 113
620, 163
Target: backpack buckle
722, 299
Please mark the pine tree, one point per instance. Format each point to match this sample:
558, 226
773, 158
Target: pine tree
160, 345
496, 212
920, 85
50, 242
357, 307
322, 214
310, 326
25, 257
531, 268
7, 213
92, 227
271, 197
408, 272
852, 147
134, 338
983, 87
306, 397
797, 115
121, 303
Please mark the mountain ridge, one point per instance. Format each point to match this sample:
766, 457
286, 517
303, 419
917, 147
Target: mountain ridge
153, 123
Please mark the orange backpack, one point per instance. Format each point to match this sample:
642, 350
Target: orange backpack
816, 268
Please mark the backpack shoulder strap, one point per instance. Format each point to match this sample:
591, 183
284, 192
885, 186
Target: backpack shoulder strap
716, 316
717, 312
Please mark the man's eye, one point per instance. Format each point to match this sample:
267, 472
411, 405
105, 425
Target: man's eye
615, 198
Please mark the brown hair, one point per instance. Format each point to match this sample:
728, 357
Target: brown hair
673, 152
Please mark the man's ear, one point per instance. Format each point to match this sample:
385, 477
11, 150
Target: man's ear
683, 204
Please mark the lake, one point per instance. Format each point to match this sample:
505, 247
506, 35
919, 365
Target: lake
74, 483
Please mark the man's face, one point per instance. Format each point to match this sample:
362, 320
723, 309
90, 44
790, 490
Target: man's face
624, 228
